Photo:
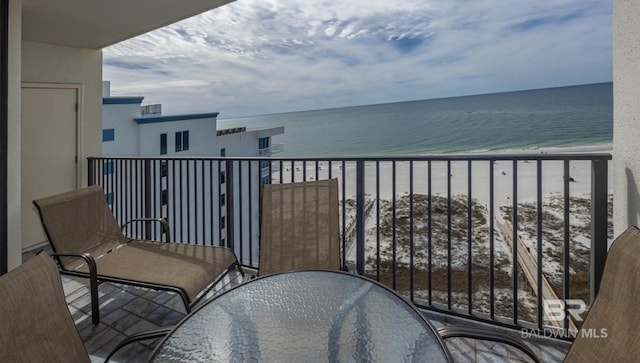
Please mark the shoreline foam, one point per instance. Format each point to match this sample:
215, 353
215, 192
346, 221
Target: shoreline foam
594, 148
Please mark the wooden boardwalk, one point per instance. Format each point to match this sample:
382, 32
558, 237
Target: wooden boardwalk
529, 266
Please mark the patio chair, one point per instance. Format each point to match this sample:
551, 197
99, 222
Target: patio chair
612, 324
88, 242
611, 329
299, 226
36, 323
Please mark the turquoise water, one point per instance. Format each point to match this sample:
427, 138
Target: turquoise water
565, 116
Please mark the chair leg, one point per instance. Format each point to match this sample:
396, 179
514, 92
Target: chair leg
95, 304
239, 267
93, 281
93, 290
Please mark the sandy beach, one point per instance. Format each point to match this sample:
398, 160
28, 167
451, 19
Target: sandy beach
552, 176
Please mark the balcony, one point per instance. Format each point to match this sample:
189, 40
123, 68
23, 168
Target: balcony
274, 148
441, 230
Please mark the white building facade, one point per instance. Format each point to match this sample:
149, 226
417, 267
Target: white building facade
130, 129
164, 185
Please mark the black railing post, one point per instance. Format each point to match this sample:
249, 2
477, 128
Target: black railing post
91, 178
599, 222
359, 216
230, 203
147, 195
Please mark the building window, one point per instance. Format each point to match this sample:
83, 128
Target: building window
107, 167
223, 177
223, 222
185, 140
108, 135
263, 143
182, 141
223, 199
223, 152
163, 144
178, 141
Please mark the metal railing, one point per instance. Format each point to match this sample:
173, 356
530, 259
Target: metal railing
234, 130
442, 230
274, 148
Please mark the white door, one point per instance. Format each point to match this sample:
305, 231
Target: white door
49, 145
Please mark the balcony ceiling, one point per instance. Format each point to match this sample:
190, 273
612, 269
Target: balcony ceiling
100, 23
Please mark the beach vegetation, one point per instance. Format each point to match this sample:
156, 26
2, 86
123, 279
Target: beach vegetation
438, 256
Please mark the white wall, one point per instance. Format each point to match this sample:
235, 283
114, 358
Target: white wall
43, 63
202, 139
13, 135
240, 144
56, 65
626, 114
202, 132
120, 118
106, 88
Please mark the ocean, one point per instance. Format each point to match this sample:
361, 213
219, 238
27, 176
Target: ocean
531, 119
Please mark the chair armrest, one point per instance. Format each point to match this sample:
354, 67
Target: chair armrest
162, 221
150, 334
91, 262
93, 279
447, 332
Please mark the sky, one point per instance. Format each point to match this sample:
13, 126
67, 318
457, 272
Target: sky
254, 57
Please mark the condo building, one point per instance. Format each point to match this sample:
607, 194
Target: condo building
131, 129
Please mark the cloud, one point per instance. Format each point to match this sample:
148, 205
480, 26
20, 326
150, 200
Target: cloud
266, 56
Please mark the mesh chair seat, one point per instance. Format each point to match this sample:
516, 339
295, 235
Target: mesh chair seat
189, 267
299, 226
36, 323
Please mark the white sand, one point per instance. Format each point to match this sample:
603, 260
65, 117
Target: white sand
552, 176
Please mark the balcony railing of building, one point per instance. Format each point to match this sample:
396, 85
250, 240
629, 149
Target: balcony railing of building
442, 230
234, 130
274, 148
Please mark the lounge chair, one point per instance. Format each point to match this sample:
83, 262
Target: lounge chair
299, 226
611, 329
88, 242
36, 323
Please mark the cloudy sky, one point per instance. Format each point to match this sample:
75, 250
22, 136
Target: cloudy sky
255, 57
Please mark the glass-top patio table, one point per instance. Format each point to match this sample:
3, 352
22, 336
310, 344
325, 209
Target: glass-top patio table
304, 316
